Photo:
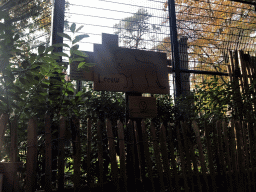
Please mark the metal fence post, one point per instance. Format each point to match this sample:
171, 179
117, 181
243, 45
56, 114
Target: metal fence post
174, 47
57, 27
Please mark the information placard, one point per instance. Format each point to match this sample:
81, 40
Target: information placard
142, 107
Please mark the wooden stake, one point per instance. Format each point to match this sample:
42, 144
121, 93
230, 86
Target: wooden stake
201, 155
89, 139
163, 147
122, 154
173, 161
131, 180
77, 155
147, 155
112, 154
100, 153
224, 128
210, 155
14, 141
31, 163
182, 160
3, 123
61, 154
157, 157
48, 155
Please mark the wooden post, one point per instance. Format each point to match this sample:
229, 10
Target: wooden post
233, 147
122, 155
3, 123
173, 161
147, 155
139, 152
131, 180
201, 155
182, 159
89, 139
100, 153
14, 141
112, 154
224, 128
210, 155
31, 163
166, 164
140, 145
157, 157
61, 154
48, 155
77, 154
240, 155
14, 154
188, 156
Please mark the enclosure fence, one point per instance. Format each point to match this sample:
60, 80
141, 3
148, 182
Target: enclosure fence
154, 157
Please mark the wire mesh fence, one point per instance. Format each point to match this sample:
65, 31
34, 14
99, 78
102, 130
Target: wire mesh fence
211, 29
139, 24
33, 21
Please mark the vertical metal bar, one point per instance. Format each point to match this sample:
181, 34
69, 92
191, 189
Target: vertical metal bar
57, 27
175, 47
58, 23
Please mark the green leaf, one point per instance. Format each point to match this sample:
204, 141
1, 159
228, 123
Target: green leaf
32, 58
18, 89
25, 64
79, 28
73, 28
48, 59
61, 54
78, 59
23, 81
44, 94
61, 45
80, 53
49, 49
79, 38
64, 35
90, 64
75, 47
81, 65
41, 49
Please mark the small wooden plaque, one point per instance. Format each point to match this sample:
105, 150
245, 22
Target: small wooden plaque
142, 107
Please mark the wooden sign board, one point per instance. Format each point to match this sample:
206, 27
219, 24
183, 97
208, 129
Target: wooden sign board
142, 107
83, 74
124, 70
130, 70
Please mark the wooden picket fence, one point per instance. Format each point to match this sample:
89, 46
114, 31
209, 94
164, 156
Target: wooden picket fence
179, 157
242, 73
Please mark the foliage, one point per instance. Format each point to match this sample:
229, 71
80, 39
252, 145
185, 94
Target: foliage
132, 29
213, 27
24, 86
212, 100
